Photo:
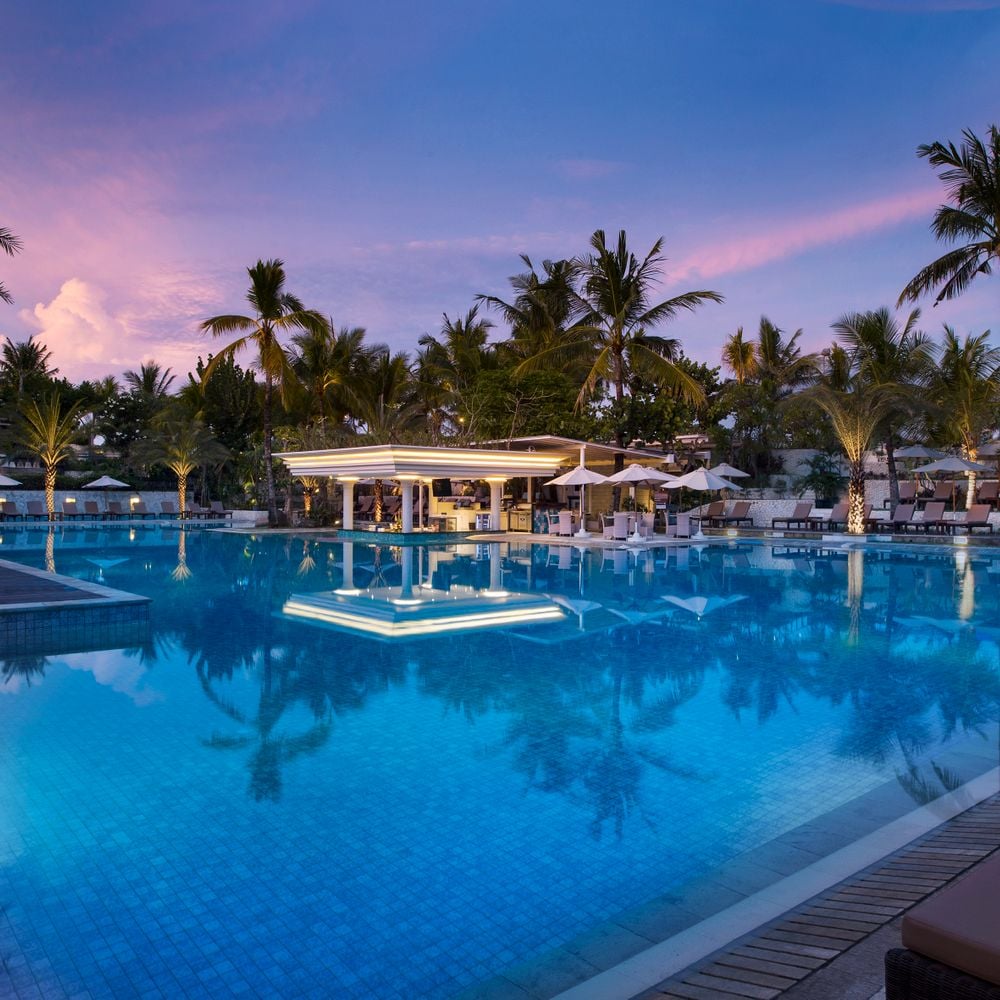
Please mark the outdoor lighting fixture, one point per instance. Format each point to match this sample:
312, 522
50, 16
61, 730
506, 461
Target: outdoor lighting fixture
960, 540
406, 602
732, 533
495, 593
349, 592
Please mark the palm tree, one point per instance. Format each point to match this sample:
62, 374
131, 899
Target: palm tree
447, 368
24, 361
274, 311
855, 415
48, 432
966, 390
543, 312
10, 245
327, 363
616, 318
900, 358
182, 444
385, 408
152, 380
740, 357
971, 174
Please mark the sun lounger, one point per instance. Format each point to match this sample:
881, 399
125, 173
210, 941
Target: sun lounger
900, 519
167, 509
216, 510
837, 518
740, 514
715, 510
9, 511
907, 492
191, 509
977, 516
36, 511
91, 510
141, 510
989, 493
951, 950
933, 519
69, 510
800, 517
114, 511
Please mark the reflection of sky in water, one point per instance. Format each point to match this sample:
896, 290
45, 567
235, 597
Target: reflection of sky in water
251, 798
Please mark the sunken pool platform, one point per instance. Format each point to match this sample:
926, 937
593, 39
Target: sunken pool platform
43, 612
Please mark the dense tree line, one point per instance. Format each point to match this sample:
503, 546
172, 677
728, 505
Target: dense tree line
578, 348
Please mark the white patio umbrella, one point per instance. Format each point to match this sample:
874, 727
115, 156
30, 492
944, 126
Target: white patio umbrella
580, 476
634, 475
918, 451
703, 479
578, 606
7, 481
953, 464
106, 483
729, 471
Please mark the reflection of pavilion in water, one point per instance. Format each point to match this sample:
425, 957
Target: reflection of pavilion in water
426, 601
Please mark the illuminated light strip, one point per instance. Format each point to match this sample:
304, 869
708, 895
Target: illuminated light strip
451, 623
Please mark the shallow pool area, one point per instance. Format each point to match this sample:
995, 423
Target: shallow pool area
364, 770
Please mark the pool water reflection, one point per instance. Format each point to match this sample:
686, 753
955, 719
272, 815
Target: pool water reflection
372, 770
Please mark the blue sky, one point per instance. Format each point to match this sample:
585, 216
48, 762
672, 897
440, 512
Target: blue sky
398, 157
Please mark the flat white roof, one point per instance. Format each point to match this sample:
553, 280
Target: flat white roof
396, 461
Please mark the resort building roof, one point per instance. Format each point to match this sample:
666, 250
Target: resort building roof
410, 462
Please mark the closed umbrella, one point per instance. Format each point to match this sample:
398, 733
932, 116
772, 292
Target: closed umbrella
639, 475
580, 476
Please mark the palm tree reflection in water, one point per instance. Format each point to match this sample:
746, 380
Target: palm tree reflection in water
890, 643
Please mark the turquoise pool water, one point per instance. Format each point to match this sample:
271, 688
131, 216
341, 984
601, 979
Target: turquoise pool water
411, 775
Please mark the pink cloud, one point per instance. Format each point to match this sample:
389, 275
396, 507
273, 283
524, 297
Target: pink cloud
743, 253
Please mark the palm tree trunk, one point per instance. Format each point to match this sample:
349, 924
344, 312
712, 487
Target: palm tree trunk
182, 488
50, 491
856, 500
890, 461
272, 500
379, 494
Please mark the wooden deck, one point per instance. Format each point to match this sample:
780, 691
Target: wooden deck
778, 957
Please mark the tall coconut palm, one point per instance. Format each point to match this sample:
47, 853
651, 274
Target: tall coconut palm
542, 313
152, 380
386, 410
10, 245
966, 390
24, 361
617, 317
888, 356
448, 366
740, 357
327, 362
48, 431
182, 444
275, 311
971, 174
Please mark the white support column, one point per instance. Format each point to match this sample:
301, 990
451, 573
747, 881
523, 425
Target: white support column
406, 487
348, 518
420, 505
348, 579
496, 495
496, 568
406, 569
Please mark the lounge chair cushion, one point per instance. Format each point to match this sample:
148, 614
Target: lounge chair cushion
958, 926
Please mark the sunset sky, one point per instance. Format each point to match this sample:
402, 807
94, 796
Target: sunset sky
399, 157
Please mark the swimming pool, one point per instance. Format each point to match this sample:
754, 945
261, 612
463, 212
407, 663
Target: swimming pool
376, 771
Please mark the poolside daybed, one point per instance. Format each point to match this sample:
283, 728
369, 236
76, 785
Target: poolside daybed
951, 949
